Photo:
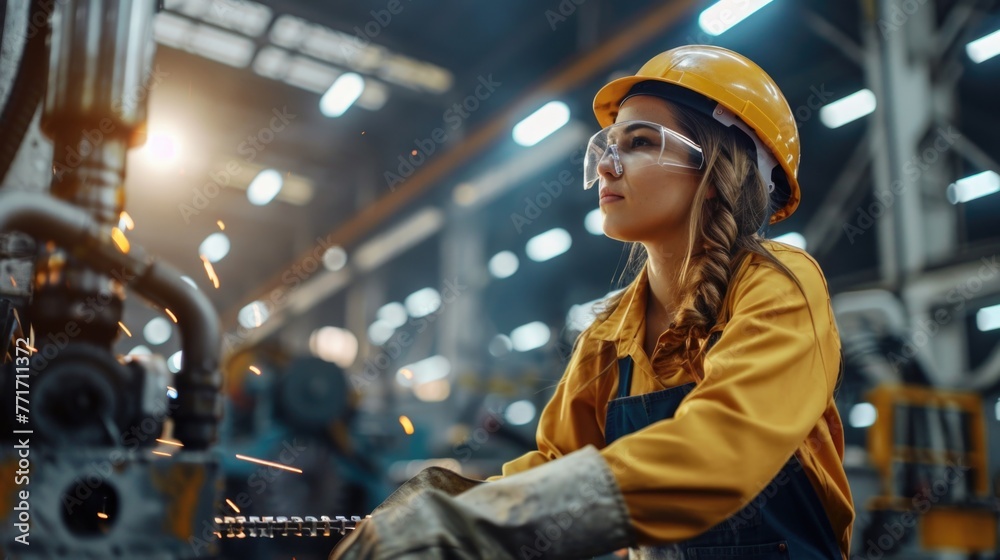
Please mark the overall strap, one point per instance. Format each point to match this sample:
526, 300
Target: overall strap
624, 376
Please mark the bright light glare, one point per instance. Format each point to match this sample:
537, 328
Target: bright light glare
335, 258
393, 313
380, 332
161, 148
174, 362
423, 302
157, 330
253, 315
503, 264
424, 371
500, 345
335, 345
543, 122
722, 16
984, 48
973, 187
342, 94
988, 318
594, 222
530, 336
794, 239
519, 413
847, 109
215, 247
549, 244
863, 415
264, 187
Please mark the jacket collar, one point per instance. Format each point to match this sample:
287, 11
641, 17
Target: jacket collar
622, 326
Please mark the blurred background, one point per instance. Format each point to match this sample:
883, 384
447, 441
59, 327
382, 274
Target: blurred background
382, 200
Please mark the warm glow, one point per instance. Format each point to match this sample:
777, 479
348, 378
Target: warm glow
126, 221
211, 271
269, 464
118, 236
407, 425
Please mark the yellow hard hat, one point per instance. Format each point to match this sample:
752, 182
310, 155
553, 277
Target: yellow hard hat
736, 86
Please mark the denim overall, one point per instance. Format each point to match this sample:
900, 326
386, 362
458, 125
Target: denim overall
786, 520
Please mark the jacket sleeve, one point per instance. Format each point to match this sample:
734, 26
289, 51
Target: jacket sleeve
568, 422
767, 382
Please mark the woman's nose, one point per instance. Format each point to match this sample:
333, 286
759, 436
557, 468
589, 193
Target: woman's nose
610, 163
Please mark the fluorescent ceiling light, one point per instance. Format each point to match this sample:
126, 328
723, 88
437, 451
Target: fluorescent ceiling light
411, 231
264, 187
973, 187
335, 258
215, 247
253, 315
174, 361
222, 46
424, 371
863, 415
519, 413
335, 345
310, 75
543, 122
503, 264
594, 222
423, 302
530, 336
157, 330
988, 318
342, 94
549, 244
723, 15
380, 332
794, 239
984, 48
848, 109
393, 313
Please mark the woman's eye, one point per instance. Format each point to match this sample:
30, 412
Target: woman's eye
639, 141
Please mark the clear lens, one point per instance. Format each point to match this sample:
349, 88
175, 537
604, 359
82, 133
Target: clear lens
635, 144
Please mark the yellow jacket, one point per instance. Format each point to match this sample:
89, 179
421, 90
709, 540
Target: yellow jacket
767, 393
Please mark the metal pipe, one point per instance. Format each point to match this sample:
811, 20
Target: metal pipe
199, 381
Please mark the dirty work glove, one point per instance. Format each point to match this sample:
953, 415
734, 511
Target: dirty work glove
431, 478
567, 508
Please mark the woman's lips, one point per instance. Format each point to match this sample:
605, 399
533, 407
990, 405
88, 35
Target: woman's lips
610, 198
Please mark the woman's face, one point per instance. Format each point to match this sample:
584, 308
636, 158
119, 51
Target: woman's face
651, 203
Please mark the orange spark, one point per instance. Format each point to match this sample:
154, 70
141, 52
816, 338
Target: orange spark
118, 236
13, 282
127, 220
171, 313
168, 442
124, 328
102, 515
162, 453
255, 370
269, 463
232, 505
407, 425
211, 271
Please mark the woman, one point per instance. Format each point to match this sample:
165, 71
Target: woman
696, 416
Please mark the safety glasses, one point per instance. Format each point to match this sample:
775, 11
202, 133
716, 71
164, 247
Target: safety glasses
636, 144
